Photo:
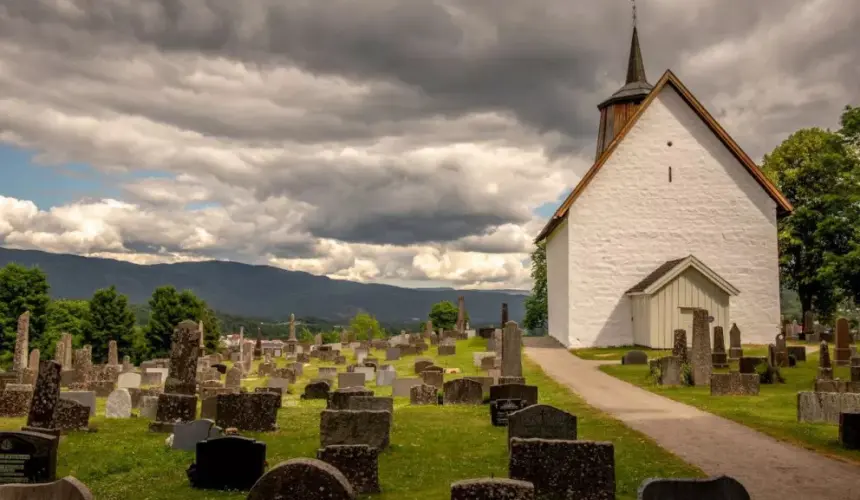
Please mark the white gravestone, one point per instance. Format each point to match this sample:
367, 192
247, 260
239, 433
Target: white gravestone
118, 404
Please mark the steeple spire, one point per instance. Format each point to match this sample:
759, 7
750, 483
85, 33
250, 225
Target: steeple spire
635, 66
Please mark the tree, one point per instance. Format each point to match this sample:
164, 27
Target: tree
168, 308
21, 289
444, 315
211, 328
362, 324
109, 318
536, 303
64, 316
817, 172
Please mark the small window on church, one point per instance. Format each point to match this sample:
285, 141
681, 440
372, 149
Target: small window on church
670, 174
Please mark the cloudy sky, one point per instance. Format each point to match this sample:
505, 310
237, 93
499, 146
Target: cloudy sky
411, 142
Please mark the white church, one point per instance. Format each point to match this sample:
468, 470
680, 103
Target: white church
672, 216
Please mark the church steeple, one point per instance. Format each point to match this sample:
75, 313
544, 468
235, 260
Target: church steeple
615, 111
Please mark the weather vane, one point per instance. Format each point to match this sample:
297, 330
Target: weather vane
634, 12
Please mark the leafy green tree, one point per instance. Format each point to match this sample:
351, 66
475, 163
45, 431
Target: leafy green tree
817, 172
109, 318
167, 308
850, 131
21, 289
536, 303
363, 324
211, 328
443, 315
64, 316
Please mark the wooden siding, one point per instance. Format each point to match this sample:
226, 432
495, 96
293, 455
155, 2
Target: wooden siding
691, 289
641, 321
613, 118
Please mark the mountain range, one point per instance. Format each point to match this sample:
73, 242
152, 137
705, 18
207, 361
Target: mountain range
260, 291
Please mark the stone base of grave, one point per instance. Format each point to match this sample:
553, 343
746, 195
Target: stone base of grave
736, 353
173, 408
41, 430
719, 360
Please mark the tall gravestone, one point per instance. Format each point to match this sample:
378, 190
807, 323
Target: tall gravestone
701, 353
60, 352
179, 401
202, 338
842, 352
67, 354
19, 363
735, 350
258, 346
428, 329
719, 357
113, 355
461, 314
504, 314
679, 347
512, 341
808, 323
46, 394
825, 367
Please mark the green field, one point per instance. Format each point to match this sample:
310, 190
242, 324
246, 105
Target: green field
773, 411
431, 446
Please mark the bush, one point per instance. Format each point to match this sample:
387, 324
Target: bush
687, 374
768, 374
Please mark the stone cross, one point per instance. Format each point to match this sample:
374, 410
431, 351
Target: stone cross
21, 342
701, 351
46, 394
292, 327
113, 355
504, 314
512, 341
461, 314
184, 351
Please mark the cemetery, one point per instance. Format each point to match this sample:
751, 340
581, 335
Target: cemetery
431, 415
805, 391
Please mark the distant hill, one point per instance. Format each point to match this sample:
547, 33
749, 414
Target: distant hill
259, 291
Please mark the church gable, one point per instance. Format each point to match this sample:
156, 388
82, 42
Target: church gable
668, 82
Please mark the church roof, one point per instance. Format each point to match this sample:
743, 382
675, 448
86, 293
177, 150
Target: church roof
668, 78
636, 87
669, 270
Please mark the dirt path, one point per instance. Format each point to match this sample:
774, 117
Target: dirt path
770, 470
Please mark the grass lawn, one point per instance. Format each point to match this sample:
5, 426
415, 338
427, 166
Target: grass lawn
773, 411
616, 353
431, 446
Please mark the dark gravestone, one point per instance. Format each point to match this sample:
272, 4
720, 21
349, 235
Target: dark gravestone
28, 457
248, 412
317, 390
463, 391
562, 470
228, 463
715, 488
71, 416
798, 351
542, 421
423, 395
634, 358
849, 430
719, 358
371, 403
359, 463
735, 349
339, 399
46, 394
700, 359
528, 393
368, 427
747, 364
184, 351
303, 479
679, 347
222, 368
492, 489
173, 408
500, 409
485, 333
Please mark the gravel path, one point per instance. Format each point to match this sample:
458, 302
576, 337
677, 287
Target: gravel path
769, 469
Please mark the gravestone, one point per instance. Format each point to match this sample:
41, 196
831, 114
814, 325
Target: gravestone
825, 368
368, 372
392, 354
434, 378
327, 372
347, 380
128, 380
463, 391
501, 409
256, 411
747, 364
719, 358
375, 403
679, 347
634, 358
67, 488
735, 349
148, 407
797, 351
492, 489
579, 469
173, 408
385, 377
305, 479
669, 370
317, 390
184, 351
527, 393
368, 427
701, 355
825, 406
543, 422
71, 416
421, 365
780, 352
359, 463
118, 404
28, 457
849, 430
277, 382
423, 395
15, 400
186, 435
22, 338
512, 341
228, 463
339, 399
734, 384
402, 386
46, 395
842, 351
86, 398
712, 488
446, 350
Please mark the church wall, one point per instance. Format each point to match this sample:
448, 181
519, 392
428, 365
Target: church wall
630, 219
557, 252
